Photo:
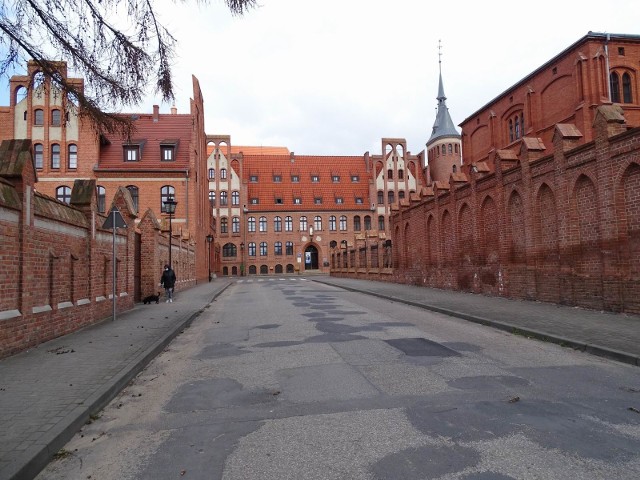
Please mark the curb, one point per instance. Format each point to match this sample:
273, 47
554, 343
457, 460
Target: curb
592, 349
35, 459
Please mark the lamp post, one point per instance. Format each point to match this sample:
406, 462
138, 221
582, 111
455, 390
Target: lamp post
344, 258
242, 259
170, 208
209, 240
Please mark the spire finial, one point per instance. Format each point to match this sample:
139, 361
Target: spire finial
440, 56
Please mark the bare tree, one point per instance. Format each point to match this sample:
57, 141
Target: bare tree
117, 46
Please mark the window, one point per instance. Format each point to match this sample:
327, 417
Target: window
229, 250
335, 178
339, 200
380, 222
166, 193
380, 197
295, 178
224, 225
133, 191
254, 201
212, 174
167, 153
262, 225
212, 198
317, 200
278, 200
288, 224
400, 194
251, 224
277, 248
38, 117
253, 178
252, 249
516, 128
356, 223
359, 201
38, 151
277, 224
288, 248
315, 178
626, 88
55, 156
56, 118
277, 178
392, 196
224, 199
355, 178
223, 174
317, 223
102, 198
297, 200
614, 82
621, 51
367, 222
511, 131
389, 174
131, 153
332, 223
235, 225
73, 156
401, 172
235, 197
343, 223
303, 224
263, 249
63, 194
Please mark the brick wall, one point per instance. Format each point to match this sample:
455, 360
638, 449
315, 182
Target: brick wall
57, 260
558, 224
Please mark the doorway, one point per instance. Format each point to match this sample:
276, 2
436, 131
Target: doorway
311, 258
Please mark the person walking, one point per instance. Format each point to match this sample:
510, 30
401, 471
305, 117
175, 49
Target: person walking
168, 281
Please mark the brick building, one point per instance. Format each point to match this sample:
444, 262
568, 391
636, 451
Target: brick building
597, 69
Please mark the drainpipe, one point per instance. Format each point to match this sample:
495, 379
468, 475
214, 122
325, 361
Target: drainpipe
606, 56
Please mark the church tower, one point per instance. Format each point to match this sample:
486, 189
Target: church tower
444, 147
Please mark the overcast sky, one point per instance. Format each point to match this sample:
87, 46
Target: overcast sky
335, 76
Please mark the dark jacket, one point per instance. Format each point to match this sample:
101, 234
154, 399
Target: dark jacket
168, 279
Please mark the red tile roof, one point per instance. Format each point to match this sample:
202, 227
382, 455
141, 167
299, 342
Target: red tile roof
266, 190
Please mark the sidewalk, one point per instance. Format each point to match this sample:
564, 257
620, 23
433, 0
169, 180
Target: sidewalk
47, 393
611, 335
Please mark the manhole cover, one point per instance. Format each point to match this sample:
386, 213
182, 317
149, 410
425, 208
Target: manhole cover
421, 347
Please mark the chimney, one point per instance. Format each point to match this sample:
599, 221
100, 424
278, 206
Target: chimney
156, 113
174, 110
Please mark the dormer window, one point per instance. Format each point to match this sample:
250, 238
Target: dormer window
133, 151
277, 178
315, 178
335, 178
253, 178
168, 150
295, 178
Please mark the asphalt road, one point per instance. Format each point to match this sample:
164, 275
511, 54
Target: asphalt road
290, 379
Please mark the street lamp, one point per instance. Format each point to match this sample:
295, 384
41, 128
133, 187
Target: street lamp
170, 208
344, 257
242, 259
209, 240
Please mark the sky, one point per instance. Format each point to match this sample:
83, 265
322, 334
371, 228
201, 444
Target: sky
334, 77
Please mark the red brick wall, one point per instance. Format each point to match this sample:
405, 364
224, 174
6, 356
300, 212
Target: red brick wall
562, 225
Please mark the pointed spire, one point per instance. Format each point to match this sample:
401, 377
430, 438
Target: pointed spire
443, 125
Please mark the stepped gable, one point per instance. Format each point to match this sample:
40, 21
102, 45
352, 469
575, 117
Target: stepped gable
266, 190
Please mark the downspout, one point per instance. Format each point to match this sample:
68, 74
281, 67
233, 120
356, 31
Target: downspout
186, 176
606, 56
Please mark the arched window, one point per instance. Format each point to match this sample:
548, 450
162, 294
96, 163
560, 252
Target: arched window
400, 174
102, 198
510, 130
212, 174
356, 223
72, 157
332, 223
56, 118
517, 128
263, 249
224, 199
235, 198
166, 192
133, 191
392, 196
333, 244
303, 223
277, 248
235, 225
389, 174
252, 249
277, 224
627, 96
317, 222
38, 152
223, 174
380, 197
63, 194
450, 148
263, 224
455, 168
380, 222
400, 194
229, 250
343, 223
55, 156
288, 248
212, 198
224, 225
38, 117
288, 224
367, 222
251, 224
614, 83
